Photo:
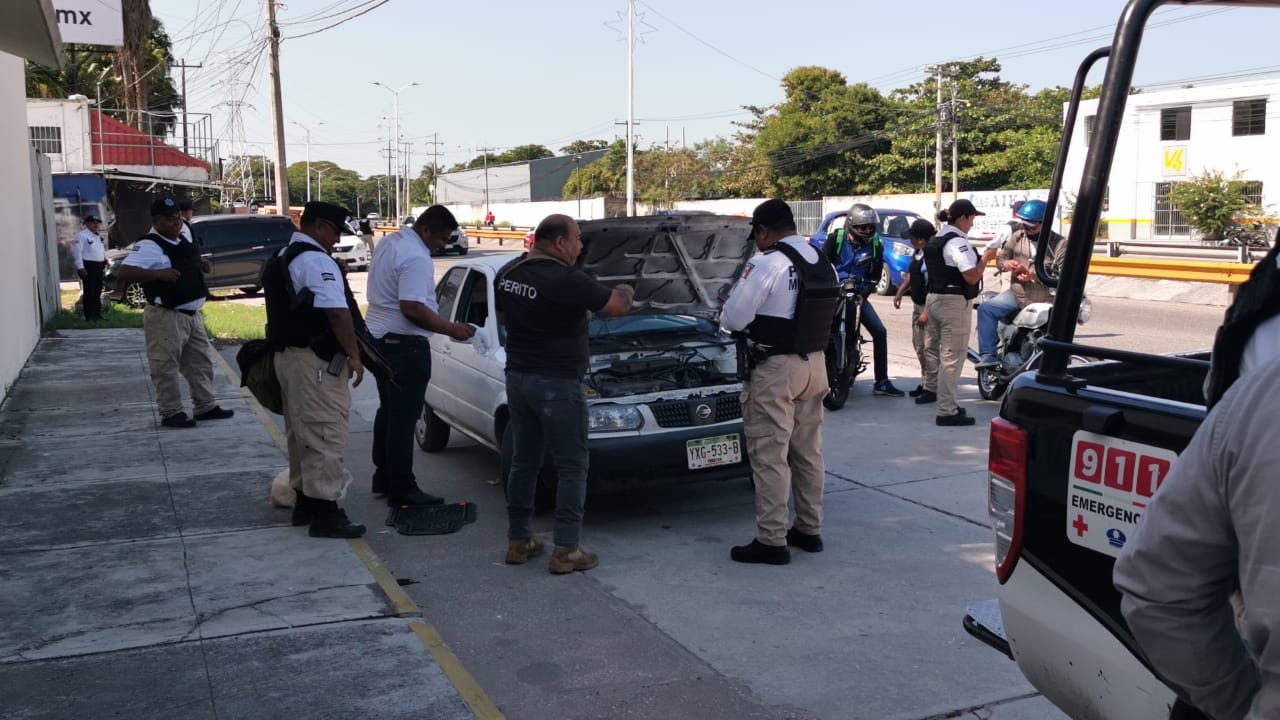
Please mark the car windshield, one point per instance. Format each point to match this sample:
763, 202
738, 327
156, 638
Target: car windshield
630, 326
896, 224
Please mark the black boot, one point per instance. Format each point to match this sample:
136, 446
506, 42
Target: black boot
804, 541
330, 521
303, 510
411, 494
758, 552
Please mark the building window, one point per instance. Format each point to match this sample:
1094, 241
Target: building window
1249, 117
1168, 218
1175, 123
1090, 124
47, 140
1252, 192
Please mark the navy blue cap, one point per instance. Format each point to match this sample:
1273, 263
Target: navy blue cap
165, 205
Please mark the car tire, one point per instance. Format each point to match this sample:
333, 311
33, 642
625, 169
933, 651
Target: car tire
544, 497
431, 432
250, 289
885, 285
134, 296
462, 251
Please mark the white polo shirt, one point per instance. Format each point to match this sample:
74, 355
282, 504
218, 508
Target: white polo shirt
767, 287
401, 270
958, 253
318, 272
148, 256
89, 247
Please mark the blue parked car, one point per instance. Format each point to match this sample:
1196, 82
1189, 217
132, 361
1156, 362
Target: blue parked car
894, 225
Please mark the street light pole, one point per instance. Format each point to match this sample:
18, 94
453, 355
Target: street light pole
396, 134
308, 129
320, 183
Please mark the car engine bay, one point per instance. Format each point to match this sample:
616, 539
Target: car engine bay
682, 367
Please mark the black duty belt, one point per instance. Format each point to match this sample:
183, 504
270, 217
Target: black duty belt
399, 339
948, 290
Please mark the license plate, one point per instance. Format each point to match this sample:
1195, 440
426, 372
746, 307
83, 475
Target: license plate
714, 451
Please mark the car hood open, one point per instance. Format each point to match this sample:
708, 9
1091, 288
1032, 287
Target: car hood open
678, 264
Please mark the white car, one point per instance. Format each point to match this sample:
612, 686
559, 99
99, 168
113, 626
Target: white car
458, 243
663, 385
351, 250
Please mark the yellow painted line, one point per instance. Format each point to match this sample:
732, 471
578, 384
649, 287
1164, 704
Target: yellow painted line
470, 691
475, 698
258, 410
400, 599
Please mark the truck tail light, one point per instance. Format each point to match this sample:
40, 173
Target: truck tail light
1007, 492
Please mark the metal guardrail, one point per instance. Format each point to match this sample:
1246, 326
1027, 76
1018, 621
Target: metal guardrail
1117, 248
1230, 273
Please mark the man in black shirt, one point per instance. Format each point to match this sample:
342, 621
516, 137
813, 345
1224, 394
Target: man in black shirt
915, 282
544, 302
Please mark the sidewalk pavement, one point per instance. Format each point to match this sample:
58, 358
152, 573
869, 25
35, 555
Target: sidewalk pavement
145, 575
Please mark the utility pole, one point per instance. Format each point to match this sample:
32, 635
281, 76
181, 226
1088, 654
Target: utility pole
937, 161
955, 166
631, 117
396, 134
576, 160
308, 128
435, 166
277, 111
183, 65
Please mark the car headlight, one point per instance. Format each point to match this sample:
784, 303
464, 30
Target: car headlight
1086, 311
902, 249
614, 417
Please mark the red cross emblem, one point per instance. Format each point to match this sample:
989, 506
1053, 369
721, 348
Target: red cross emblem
1080, 525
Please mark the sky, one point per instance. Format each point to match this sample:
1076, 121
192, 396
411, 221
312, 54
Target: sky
501, 73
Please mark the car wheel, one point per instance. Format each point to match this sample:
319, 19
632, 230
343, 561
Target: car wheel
462, 251
135, 296
544, 496
431, 432
250, 289
885, 285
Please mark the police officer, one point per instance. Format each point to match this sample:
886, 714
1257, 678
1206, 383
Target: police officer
172, 276
402, 316
187, 210
955, 276
544, 301
916, 282
784, 302
858, 255
311, 320
91, 262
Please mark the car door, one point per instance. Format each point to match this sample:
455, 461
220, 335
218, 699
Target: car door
442, 390
480, 371
225, 245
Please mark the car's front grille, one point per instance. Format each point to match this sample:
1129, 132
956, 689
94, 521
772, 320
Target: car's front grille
684, 413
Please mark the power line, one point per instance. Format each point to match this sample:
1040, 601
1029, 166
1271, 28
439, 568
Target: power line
679, 27
377, 4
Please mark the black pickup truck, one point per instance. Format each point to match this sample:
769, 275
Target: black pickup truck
1076, 454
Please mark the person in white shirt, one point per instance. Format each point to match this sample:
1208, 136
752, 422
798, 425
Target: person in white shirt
186, 210
90, 252
782, 398
172, 276
312, 321
402, 315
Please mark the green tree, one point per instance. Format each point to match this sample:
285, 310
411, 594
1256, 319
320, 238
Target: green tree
822, 138
604, 177
1211, 201
329, 183
578, 147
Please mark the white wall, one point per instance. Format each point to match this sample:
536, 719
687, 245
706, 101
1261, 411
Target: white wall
525, 214
1142, 159
506, 183
73, 118
19, 288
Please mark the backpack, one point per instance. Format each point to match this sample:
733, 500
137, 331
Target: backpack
1257, 301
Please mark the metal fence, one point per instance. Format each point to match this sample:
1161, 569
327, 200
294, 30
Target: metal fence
808, 214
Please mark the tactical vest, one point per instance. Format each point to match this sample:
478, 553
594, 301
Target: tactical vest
919, 288
1257, 301
185, 258
946, 279
817, 299
292, 318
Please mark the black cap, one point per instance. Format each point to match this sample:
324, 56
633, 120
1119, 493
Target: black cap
772, 212
316, 210
922, 229
164, 205
91, 217
963, 208
185, 204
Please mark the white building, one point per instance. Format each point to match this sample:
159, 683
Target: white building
1174, 135
28, 275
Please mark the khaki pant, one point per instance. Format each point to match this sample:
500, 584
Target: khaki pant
928, 363
947, 344
317, 409
782, 417
177, 345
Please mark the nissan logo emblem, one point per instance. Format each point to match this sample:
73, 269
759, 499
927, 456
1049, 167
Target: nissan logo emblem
703, 411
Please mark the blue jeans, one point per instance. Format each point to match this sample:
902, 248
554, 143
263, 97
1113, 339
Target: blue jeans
409, 358
548, 419
879, 341
990, 313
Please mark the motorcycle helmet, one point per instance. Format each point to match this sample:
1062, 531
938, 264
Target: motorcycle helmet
861, 220
1031, 212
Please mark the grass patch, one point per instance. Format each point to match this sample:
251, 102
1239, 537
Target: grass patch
226, 322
